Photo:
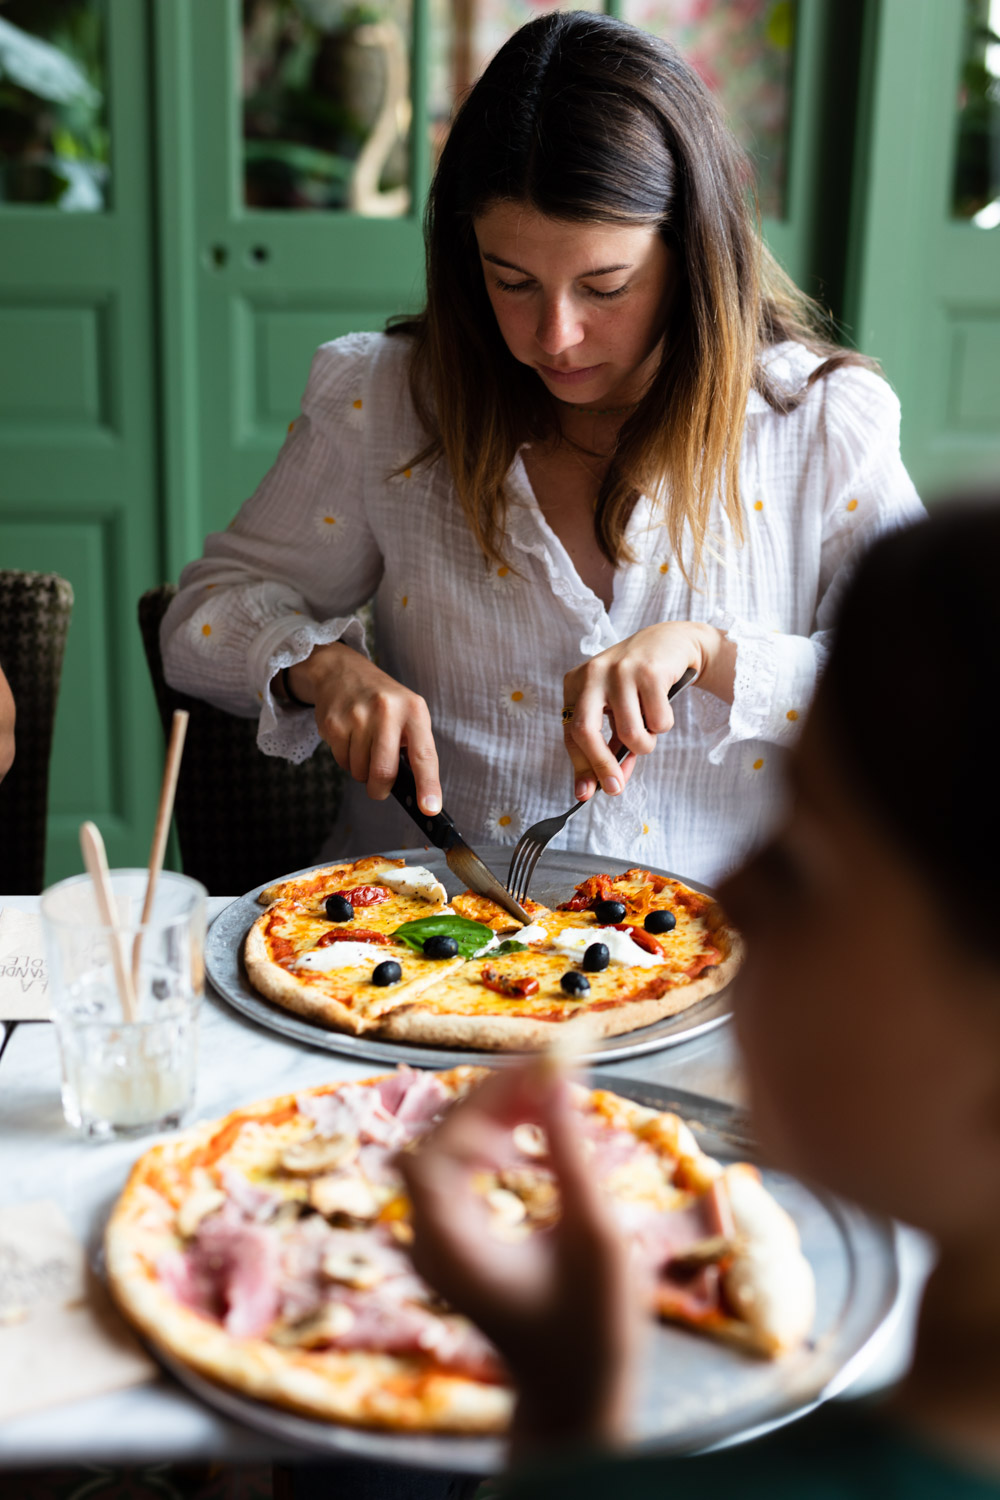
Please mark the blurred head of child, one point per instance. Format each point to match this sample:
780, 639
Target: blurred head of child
868, 1012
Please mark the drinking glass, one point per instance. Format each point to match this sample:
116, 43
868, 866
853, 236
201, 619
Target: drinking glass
122, 1076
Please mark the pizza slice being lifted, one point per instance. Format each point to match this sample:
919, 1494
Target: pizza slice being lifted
375, 947
268, 1250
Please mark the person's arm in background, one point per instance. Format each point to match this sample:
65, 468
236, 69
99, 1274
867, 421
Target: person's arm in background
8, 715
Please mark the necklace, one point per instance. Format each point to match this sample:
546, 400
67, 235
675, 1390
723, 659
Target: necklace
598, 411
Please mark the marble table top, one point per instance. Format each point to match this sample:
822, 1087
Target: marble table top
239, 1061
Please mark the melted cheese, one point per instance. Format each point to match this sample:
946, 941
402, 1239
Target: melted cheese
345, 955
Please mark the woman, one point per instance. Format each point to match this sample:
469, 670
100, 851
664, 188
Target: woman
614, 446
877, 904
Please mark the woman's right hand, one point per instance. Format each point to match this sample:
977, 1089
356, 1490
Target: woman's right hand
365, 717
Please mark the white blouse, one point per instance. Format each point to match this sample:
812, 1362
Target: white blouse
487, 647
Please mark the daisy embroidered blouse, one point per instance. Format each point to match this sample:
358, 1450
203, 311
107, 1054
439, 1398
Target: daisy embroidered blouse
339, 519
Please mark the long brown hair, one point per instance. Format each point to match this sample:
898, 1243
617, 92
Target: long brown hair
589, 120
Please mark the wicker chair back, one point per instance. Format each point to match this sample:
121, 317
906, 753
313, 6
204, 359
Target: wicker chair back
35, 610
242, 817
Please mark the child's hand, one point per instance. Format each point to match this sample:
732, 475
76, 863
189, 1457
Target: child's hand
559, 1305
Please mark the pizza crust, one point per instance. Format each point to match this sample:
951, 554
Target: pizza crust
499, 1033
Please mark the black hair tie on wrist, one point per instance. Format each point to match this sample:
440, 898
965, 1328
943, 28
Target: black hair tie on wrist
292, 697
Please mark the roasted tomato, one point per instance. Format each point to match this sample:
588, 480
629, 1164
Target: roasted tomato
597, 888
352, 935
508, 984
366, 895
641, 938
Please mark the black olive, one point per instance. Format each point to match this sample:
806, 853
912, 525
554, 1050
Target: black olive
574, 983
387, 973
660, 921
339, 909
609, 912
596, 958
440, 946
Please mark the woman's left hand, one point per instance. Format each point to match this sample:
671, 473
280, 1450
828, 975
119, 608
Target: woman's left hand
629, 684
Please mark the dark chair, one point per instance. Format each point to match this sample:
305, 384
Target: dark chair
35, 611
242, 817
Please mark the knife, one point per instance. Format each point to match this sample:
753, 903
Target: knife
441, 831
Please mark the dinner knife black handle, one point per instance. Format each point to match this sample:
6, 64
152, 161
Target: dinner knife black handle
438, 827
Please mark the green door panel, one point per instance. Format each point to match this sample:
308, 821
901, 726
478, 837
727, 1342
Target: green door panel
250, 293
78, 483
924, 287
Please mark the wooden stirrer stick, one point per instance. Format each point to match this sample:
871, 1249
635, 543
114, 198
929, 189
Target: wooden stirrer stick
96, 861
165, 811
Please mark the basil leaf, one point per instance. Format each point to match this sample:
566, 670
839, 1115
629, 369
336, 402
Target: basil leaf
470, 936
509, 945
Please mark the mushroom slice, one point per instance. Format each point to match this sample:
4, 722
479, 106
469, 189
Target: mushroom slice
506, 1205
203, 1200
530, 1139
353, 1268
329, 1324
343, 1195
704, 1252
319, 1153
538, 1193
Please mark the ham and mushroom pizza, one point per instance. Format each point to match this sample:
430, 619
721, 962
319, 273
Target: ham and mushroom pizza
269, 1250
375, 948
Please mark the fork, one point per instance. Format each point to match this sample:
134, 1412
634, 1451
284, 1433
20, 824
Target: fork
535, 839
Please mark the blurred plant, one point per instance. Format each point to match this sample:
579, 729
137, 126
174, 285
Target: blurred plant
311, 95
977, 152
54, 139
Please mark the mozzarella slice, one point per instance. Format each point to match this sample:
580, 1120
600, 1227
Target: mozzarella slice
534, 933
415, 880
574, 941
344, 955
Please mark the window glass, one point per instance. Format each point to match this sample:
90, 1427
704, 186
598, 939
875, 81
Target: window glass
744, 52
743, 49
976, 188
54, 146
464, 36
326, 105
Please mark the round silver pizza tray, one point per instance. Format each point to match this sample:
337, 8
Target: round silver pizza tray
558, 871
693, 1394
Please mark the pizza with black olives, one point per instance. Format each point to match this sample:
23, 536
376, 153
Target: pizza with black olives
375, 947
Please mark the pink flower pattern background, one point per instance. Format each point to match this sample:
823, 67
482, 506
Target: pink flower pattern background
743, 49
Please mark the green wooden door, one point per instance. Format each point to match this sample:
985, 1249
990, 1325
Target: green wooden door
924, 285
249, 292
77, 399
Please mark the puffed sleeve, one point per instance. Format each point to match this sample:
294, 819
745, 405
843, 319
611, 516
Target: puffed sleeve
854, 489
293, 567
